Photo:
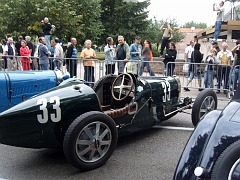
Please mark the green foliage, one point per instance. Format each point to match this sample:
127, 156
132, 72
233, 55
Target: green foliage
71, 18
124, 18
195, 24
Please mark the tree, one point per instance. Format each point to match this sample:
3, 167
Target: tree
195, 24
124, 18
71, 18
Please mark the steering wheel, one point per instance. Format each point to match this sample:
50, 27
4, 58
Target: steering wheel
123, 84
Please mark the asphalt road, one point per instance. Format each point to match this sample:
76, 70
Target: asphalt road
151, 154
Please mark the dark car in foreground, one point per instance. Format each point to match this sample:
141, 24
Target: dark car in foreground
86, 122
213, 150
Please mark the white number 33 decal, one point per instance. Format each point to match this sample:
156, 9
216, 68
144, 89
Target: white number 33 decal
55, 117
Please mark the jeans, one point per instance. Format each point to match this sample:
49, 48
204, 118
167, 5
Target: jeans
43, 66
110, 68
165, 43
225, 75
236, 78
169, 67
89, 75
47, 37
51, 63
217, 29
57, 64
208, 79
191, 76
71, 67
188, 73
145, 63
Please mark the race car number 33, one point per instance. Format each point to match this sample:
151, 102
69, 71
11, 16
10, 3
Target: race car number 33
55, 103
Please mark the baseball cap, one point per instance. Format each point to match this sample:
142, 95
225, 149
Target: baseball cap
214, 43
137, 37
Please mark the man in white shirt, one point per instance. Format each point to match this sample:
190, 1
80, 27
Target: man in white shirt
10, 48
220, 14
58, 54
188, 54
225, 59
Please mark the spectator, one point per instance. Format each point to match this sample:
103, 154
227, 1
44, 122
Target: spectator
43, 54
46, 26
4, 52
25, 51
215, 46
32, 50
170, 56
51, 59
167, 33
188, 54
236, 64
122, 54
211, 60
224, 58
12, 62
136, 49
135, 54
146, 57
88, 53
72, 54
58, 54
220, 14
18, 45
196, 57
36, 59
110, 55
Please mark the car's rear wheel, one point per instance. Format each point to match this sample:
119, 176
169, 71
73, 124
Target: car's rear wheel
227, 165
90, 140
205, 102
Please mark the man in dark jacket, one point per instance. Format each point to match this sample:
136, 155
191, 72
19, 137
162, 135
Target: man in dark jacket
71, 63
18, 45
46, 26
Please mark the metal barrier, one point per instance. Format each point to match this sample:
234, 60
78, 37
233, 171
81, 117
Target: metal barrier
217, 77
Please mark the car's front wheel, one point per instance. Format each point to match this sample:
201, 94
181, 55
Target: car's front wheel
205, 102
227, 165
90, 140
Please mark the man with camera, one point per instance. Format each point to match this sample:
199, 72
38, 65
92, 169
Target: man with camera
46, 26
167, 33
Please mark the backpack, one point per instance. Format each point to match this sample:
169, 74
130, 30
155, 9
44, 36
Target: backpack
53, 29
224, 60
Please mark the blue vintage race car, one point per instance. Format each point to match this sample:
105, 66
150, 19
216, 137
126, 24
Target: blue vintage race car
213, 150
17, 86
86, 122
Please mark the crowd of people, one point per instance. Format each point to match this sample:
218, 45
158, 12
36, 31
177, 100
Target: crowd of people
224, 64
48, 54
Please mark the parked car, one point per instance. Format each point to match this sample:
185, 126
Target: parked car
86, 122
18, 86
213, 150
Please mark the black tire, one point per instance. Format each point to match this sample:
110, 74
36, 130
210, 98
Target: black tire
228, 160
95, 150
205, 98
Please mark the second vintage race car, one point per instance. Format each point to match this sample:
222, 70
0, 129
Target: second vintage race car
87, 122
213, 150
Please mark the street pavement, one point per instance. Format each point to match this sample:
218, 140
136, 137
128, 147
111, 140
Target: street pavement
150, 154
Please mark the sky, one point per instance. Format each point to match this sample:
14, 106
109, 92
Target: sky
185, 10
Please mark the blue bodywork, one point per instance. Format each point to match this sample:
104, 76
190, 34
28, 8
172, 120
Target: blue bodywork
18, 86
